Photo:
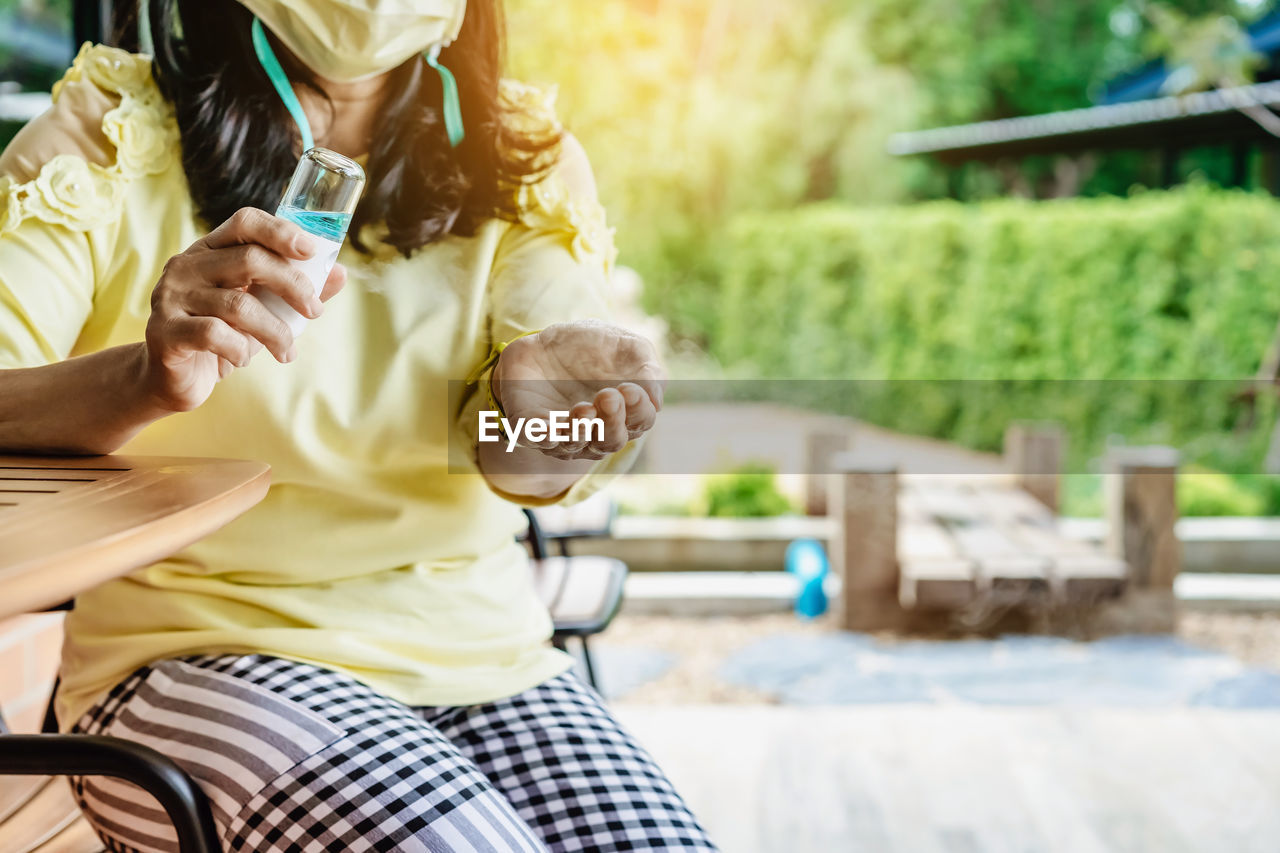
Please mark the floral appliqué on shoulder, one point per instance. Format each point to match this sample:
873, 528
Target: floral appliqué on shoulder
81, 195
548, 205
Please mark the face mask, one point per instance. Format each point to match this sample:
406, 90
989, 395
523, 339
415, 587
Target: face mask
350, 40
347, 40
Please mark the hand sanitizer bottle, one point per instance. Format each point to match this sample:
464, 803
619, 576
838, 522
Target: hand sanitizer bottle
321, 198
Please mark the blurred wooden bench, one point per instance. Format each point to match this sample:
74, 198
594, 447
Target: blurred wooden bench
68, 524
918, 551
961, 542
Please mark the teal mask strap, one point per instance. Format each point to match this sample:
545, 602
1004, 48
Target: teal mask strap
271, 65
452, 106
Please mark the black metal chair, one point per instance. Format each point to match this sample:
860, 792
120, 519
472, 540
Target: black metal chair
590, 519
54, 754
582, 593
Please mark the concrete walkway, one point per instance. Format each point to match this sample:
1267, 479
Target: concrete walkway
970, 779
692, 438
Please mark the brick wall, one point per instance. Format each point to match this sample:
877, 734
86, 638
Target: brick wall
29, 650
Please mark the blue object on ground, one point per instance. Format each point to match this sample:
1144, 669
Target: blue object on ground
807, 560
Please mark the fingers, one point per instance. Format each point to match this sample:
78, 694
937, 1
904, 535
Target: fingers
243, 266
207, 311
625, 413
245, 313
653, 380
612, 409
210, 334
581, 413
642, 409
250, 225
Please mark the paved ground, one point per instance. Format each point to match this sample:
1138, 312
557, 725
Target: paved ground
832, 742
1126, 672
973, 779
1224, 660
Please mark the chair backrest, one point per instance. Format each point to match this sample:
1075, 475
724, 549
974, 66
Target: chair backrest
589, 519
537, 541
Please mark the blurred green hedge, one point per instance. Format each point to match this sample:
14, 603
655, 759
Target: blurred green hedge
1178, 285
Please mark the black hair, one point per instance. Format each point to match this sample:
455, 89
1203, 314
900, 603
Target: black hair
239, 144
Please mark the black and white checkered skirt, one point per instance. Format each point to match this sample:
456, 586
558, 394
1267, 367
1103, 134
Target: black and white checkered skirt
297, 758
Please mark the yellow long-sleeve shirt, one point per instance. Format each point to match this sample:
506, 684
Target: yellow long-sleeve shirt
368, 555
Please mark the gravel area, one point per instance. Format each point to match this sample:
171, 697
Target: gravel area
700, 646
1252, 637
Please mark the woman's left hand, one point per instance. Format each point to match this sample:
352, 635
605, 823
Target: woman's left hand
589, 369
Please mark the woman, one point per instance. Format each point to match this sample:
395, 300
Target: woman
358, 663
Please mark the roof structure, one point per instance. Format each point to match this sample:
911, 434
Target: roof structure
1131, 114
1202, 118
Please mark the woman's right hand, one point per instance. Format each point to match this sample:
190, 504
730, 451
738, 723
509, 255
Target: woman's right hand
204, 320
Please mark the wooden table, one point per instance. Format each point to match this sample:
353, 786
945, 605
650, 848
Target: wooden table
68, 524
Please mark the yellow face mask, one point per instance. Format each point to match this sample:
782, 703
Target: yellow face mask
348, 40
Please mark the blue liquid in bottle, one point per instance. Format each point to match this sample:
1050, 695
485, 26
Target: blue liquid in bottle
320, 198
326, 224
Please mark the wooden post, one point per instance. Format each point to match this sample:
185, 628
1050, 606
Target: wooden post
821, 449
1142, 512
1142, 509
865, 547
1034, 451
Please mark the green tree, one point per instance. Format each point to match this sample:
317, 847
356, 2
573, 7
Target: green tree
693, 110
977, 60
1205, 52
987, 59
